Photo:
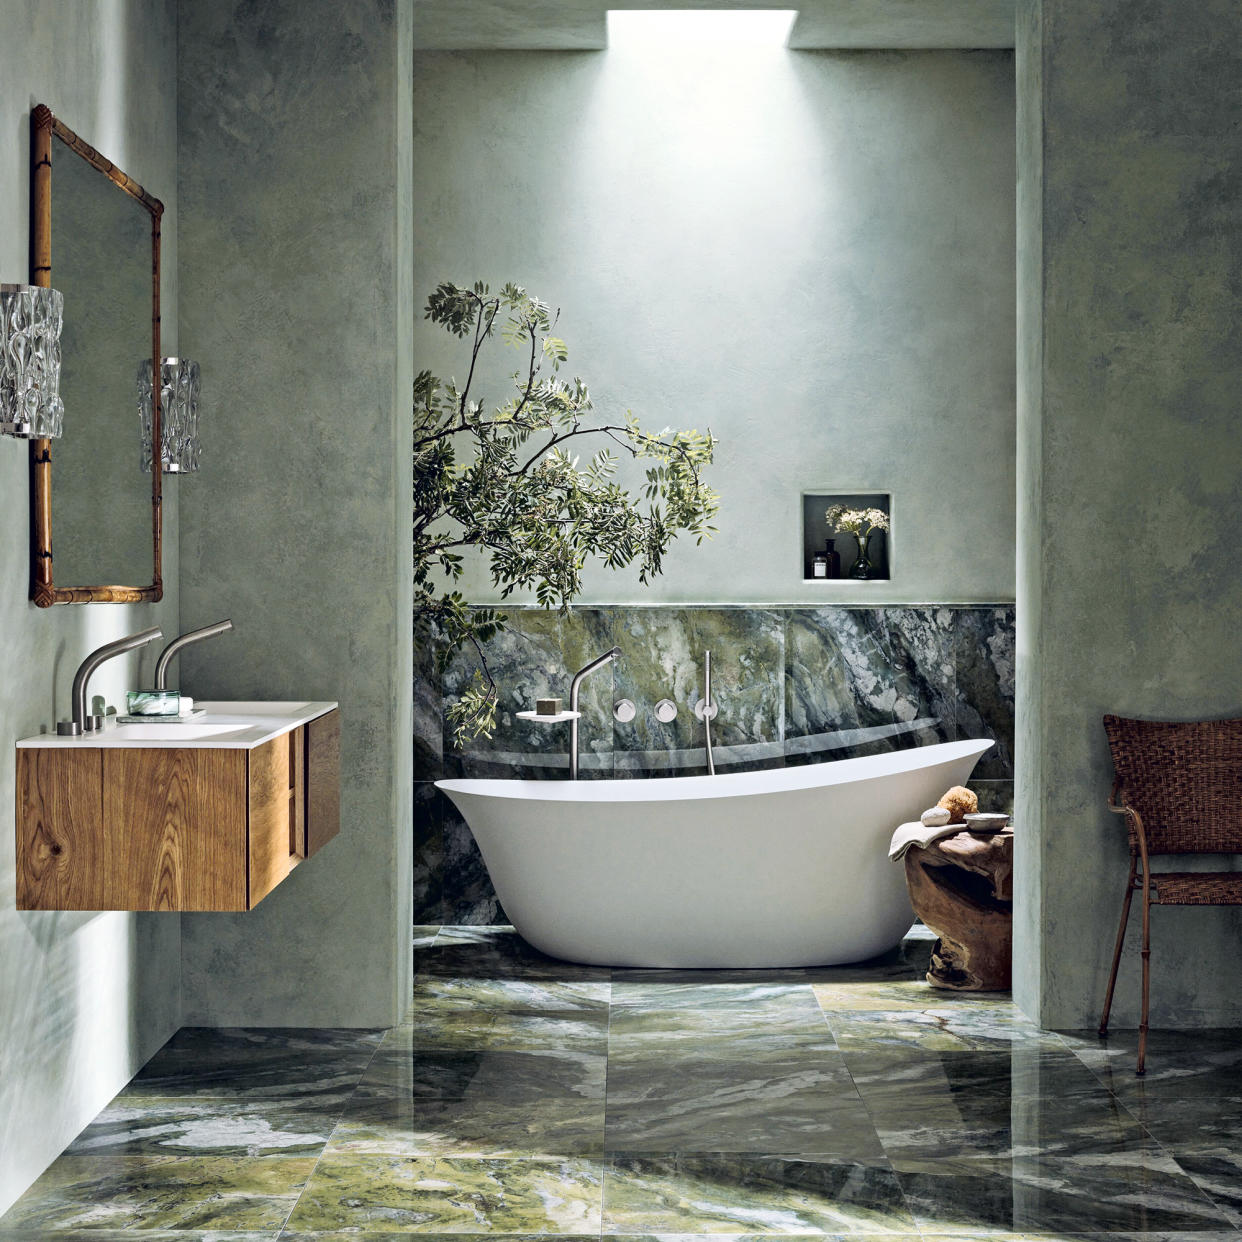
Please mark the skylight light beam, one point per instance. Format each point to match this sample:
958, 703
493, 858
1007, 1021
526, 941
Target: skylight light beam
663, 28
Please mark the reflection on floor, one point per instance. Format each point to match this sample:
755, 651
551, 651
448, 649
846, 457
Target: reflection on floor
524, 1096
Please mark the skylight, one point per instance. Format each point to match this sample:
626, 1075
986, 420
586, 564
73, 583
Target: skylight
645, 28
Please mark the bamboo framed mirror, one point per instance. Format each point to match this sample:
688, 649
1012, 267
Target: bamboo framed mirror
95, 236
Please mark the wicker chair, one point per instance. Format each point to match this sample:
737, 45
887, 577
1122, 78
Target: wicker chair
1180, 788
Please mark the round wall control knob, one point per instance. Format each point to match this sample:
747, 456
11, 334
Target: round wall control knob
666, 710
624, 710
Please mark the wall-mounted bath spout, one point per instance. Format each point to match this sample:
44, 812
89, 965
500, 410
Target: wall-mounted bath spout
574, 686
706, 710
190, 636
81, 722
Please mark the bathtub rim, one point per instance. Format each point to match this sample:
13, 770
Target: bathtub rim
759, 783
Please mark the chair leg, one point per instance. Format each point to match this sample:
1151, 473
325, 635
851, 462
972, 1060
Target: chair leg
1142, 1047
1121, 939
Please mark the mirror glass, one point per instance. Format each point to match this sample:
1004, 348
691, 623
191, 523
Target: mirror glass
101, 263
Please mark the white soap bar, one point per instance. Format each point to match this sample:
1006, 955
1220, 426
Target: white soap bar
935, 816
187, 705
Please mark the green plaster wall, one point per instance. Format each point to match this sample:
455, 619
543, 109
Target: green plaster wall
811, 252
85, 999
1131, 289
294, 161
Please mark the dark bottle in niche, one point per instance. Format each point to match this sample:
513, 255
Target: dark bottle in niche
833, 559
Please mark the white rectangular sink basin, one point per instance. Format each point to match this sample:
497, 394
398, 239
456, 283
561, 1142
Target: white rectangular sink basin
233, 726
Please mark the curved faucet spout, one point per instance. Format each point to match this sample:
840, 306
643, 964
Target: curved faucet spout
81, 722
190, 636
574, 686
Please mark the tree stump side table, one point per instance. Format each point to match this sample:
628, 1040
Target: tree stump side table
962, 888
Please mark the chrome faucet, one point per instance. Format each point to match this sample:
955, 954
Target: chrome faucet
706, 710
81, 722
574, 686
190, 636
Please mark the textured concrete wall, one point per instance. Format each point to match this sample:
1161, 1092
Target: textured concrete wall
810, 252
1130, 477
295, 295
84, 998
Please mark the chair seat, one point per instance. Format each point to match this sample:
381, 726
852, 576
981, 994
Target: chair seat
1196, 888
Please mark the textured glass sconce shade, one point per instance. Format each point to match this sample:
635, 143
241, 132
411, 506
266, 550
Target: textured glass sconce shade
30, 322
179, 389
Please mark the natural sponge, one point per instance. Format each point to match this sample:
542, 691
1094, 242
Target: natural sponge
959, 802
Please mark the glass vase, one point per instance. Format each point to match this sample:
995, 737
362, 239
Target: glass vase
861, 568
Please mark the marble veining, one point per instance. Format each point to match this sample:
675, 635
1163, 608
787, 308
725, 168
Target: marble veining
527, 1099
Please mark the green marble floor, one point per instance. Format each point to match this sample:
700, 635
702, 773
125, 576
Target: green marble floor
527, 1098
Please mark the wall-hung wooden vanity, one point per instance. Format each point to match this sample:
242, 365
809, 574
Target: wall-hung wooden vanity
205, 815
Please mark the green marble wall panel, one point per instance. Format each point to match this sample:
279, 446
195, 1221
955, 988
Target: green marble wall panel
881, 677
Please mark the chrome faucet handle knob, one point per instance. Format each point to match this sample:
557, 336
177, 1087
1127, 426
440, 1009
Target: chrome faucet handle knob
624, 710
666, 711
706, 711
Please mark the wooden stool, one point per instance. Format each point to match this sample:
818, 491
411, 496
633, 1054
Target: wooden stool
962, 888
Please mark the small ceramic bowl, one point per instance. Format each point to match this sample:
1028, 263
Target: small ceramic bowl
986, 821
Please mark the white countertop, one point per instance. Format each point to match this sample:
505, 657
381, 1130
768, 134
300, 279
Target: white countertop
226, 726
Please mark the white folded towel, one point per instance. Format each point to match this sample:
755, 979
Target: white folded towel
919, 833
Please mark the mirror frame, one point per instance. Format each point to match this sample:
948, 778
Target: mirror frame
43, 591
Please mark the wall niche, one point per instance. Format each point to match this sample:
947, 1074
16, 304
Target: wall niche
816, 532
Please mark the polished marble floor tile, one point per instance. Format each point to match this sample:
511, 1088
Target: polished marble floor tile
531, 1099
1219, 1175
805, 1105
1180, 1064
487, 1073
388, 1123
726, 1019
144, 1235
1000, 1126
466, 1031
889, 995
915, 1077
751, 1194
1187, 1124
940, 1027
449, 994
267, 1062
450, 1195
150, 1126
496, 952
1139, 1192
137, 1192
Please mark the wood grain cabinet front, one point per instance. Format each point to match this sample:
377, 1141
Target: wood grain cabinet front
193, 828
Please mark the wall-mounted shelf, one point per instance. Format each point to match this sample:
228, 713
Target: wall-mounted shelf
816, 533
557, 719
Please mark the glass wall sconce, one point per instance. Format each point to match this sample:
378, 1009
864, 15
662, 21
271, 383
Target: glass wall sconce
179, 390
30, 323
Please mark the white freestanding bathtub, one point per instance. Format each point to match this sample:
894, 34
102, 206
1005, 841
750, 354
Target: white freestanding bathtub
779, 868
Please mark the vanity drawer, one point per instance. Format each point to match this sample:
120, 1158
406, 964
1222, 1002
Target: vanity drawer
173, 828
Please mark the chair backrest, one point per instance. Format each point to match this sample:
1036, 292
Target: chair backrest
1184, 779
